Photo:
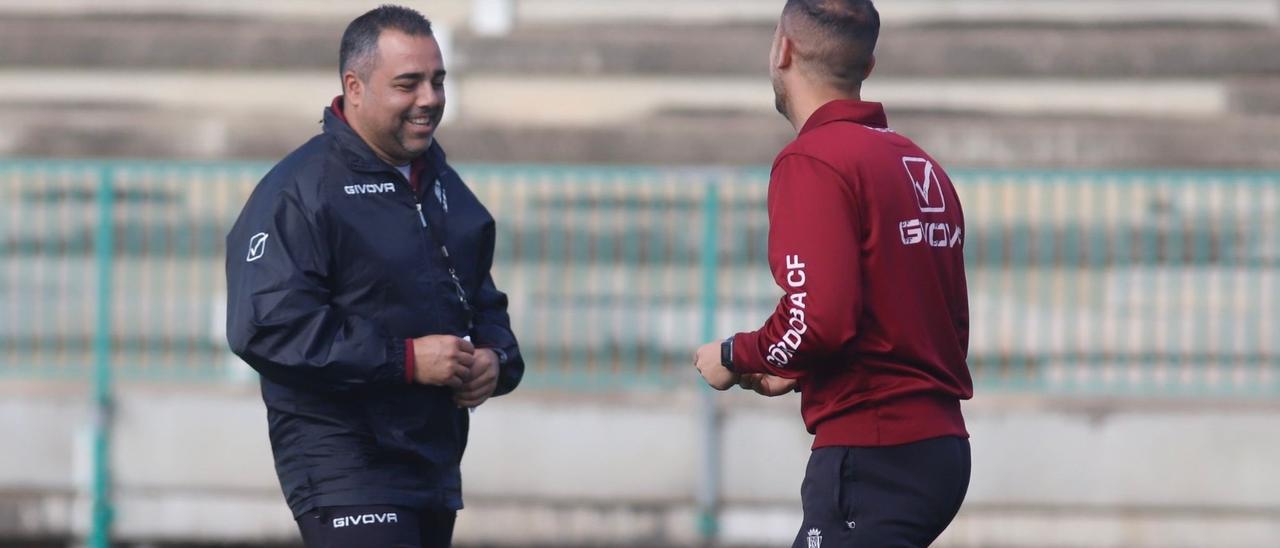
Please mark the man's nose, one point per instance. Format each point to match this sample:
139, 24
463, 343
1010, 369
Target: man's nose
429, 96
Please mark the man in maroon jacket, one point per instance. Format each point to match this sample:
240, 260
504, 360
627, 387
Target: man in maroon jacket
866, 240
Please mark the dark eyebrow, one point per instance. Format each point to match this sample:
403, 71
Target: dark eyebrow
418, 75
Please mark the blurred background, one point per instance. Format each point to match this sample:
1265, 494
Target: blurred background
1119, 163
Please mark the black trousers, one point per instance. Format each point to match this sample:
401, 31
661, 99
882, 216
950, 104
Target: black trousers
376, 527
900, 496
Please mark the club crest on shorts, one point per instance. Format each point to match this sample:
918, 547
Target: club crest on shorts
815, 538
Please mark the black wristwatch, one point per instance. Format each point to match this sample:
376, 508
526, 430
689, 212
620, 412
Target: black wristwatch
726, 354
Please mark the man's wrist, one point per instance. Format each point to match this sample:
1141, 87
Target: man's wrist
726, 354
502, 356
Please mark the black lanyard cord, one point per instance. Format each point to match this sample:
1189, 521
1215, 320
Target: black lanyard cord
433, 220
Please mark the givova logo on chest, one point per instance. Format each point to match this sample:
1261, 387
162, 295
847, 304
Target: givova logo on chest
374, 188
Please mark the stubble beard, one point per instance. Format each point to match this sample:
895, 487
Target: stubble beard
780, 99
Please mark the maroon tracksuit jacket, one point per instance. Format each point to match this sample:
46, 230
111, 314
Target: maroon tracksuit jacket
866, 239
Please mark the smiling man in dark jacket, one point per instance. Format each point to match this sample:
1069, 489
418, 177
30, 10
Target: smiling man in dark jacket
359, 288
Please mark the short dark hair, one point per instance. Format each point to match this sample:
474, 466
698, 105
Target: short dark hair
360, 40
838, 37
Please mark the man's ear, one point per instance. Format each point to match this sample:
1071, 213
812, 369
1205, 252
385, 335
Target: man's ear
786, 49
352, 89
871, 66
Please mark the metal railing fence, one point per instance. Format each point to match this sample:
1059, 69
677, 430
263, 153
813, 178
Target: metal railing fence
1132, 283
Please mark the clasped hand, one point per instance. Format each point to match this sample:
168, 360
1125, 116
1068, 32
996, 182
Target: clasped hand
446, 360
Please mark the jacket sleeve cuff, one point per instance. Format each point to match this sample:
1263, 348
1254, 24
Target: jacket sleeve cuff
493, 336
745, 359
410, 362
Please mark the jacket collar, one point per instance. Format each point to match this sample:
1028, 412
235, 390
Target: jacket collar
848, 110
361, 157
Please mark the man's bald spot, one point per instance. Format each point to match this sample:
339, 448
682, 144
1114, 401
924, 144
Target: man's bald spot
832, 39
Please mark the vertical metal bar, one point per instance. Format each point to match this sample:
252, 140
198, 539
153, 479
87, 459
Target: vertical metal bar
10, 362
655, 290
675, 266
51, 179
1127, 280
1205, 293
100, 535
1089, 281
630, 226
1181, 372
1058, 264
1072, 268
709, 492
1244, 268
555, 232
1268, 261
1018, 276
1161, 377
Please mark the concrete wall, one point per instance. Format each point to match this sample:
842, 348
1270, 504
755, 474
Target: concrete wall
980, 83
622, 469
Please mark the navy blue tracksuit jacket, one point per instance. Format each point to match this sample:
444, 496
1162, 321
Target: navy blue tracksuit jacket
330, 269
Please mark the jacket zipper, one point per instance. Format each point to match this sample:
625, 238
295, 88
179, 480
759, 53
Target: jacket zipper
453, 274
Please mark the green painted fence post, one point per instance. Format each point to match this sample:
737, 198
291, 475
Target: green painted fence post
100, 535
709, 489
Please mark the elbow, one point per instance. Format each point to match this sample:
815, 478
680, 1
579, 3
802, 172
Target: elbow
238, 344
239, 340
249, 348
831, 336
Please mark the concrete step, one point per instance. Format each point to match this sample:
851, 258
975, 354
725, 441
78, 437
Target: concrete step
1258, 95
687, 138
587, 101
226, 42
148, 41
543, 468
907, 12
951, 51
450, 11
958, 140
535, 12
594, 100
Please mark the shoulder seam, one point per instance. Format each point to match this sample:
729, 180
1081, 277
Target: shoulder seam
816, 159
